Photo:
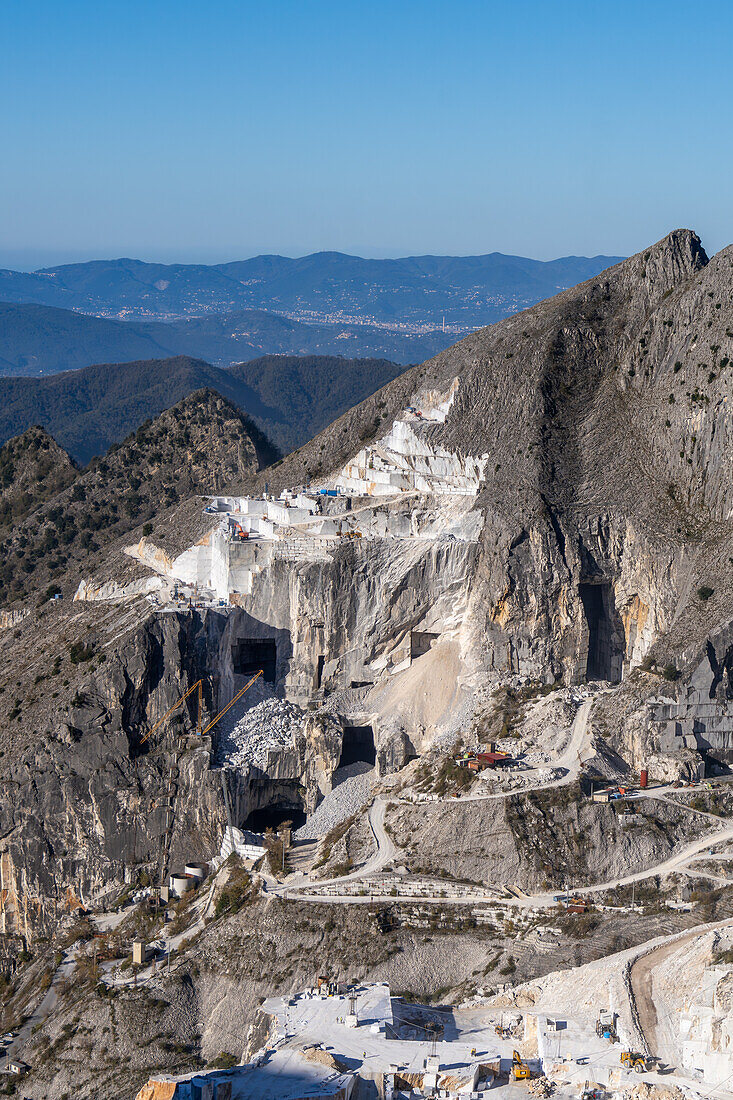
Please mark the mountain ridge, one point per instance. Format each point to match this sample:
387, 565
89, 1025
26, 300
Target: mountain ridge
470, 290
200, 440
87, 410
549, 503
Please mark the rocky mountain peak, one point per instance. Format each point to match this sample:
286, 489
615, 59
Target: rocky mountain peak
649, 276
201, 444
682, 247
33, 468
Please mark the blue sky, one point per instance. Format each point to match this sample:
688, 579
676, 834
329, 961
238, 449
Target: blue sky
185, 131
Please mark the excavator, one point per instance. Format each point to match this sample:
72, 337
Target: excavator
520, 1069
632, 1060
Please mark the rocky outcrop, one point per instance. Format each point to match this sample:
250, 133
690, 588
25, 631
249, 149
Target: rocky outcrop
95, 802
565, 517
538, 841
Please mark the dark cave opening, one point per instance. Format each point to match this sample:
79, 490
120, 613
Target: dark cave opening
357, 746
605, 655
272, 817
421, 641
251, 654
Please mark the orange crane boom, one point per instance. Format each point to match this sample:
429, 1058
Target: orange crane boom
236, 699
175, 706
212, 723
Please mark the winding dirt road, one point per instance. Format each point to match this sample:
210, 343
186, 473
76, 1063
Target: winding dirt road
578, 748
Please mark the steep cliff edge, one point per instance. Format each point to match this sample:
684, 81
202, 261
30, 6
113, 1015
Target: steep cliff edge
95, 801
562, 512
604, 418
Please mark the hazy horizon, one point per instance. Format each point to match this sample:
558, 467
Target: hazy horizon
65, 258
209, 133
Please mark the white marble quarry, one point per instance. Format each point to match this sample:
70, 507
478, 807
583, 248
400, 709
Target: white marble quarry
404, 462
247, 845
251, 533
706, 1027
245, 542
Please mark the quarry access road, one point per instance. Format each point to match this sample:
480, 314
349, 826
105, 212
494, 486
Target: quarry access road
675, 862
386, 848
652, 1025
387, 851
642, 993
43, 1010
569, 761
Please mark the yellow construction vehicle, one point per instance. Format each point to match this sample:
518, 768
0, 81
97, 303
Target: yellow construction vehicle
520, 1069
634, 1061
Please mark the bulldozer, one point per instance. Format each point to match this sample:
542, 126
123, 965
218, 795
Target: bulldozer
632, 1060
520, 1069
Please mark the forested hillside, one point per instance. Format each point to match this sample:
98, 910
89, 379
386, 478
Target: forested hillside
36, 339
87, 410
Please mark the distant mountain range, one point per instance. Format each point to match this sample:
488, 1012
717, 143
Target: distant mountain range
290, 398
327, 287
36, 339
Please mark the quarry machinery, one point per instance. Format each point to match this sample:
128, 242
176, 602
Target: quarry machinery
606, 1026
520, 1069
632, 1060
169, 798
236, 699
435, 1031
501, 1029
200, 730
161, 721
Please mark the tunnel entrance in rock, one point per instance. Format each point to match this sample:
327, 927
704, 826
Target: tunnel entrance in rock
273, 816
357, 745
251, 654
421, 641
605, 650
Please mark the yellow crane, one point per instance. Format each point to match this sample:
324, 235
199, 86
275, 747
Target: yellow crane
170, 794
199, 686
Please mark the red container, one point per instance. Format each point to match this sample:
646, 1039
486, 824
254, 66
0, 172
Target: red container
644, 778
